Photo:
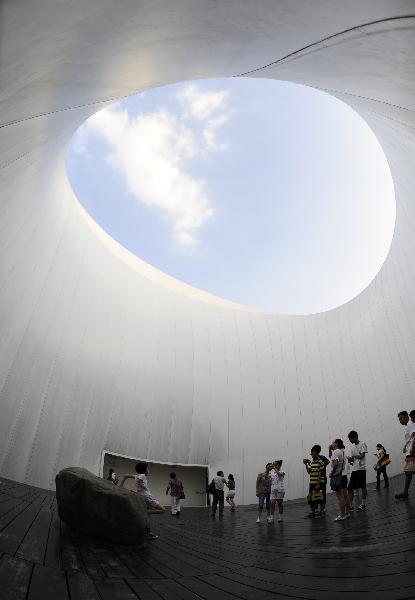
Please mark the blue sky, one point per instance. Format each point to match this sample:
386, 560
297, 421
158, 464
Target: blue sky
267, 193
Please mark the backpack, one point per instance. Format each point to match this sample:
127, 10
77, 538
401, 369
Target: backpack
212, 487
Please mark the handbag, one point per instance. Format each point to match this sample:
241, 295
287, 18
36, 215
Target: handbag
182, 495
336, 482
317, 495
384, 461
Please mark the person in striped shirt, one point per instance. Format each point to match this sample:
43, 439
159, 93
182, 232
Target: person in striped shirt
315, 468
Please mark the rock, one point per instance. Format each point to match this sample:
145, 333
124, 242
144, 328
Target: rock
98, 507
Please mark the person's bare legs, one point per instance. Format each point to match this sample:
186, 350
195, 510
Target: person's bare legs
340, 500
346, 500
272, 510
280, 509
405, 493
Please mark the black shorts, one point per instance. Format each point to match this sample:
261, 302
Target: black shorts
344, 482
357, 480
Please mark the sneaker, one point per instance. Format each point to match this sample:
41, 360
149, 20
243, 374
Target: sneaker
361, 507
347, 516
151, 536
351, 507
280, 519
270, 520
339, 518
258, 520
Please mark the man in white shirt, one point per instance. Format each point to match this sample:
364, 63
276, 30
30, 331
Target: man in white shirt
357, 483
407, 450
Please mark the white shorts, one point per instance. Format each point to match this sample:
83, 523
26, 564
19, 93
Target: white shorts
230, 494
277, 495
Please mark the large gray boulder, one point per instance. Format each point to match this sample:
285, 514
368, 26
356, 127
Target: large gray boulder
98, 507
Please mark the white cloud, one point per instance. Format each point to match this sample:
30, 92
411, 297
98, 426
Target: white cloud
203, 104
152, 151
211, 108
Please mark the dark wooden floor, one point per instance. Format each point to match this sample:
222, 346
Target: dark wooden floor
370, 556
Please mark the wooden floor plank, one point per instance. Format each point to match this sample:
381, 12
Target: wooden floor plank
33, 547
169, 589
13, 534
137, 567
204, 590
48, 584
81, 587
115, 590
14, 578
143, 590
53, 555
71, 557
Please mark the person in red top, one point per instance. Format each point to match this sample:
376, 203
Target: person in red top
175, 487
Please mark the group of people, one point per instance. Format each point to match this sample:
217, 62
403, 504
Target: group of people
347, 479
270, 491
217, 489
270, 483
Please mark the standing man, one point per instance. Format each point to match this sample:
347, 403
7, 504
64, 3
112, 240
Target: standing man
408, 450
218, 495
357, 483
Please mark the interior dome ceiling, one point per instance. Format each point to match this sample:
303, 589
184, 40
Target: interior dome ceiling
95, 352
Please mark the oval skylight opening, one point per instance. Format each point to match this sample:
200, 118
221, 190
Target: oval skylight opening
271, 194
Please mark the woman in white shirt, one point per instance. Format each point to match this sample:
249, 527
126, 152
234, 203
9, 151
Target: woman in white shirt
338, 478
277, 490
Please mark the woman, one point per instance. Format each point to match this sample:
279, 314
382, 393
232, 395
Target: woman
176, 494
383, 460
338, 478
230, 496
263, 492
277, 490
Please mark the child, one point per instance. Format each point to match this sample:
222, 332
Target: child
315, 468
141, 485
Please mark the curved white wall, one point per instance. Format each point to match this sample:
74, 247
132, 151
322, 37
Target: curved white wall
95, 351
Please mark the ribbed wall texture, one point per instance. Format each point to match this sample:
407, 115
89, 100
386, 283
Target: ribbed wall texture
100, 351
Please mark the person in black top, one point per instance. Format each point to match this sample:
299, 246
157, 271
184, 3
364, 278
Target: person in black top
323, 483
